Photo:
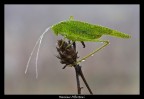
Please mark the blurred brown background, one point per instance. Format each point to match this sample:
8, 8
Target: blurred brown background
113, 70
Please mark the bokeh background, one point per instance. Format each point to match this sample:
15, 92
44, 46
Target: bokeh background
113, 70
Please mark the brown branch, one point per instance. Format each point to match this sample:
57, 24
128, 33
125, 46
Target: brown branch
78, 81
68, 56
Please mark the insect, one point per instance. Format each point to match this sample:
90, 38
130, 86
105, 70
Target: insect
79, 31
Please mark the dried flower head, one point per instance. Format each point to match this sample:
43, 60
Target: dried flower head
67, 55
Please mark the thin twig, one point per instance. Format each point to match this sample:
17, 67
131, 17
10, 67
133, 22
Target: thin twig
77, 73
80, 73
84, 80
78, 81
68, 56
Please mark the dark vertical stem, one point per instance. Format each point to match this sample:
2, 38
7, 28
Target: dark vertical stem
77, 73
68, 56
83, 78
80, 73
78, 81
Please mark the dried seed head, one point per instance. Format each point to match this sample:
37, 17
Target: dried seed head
67, 55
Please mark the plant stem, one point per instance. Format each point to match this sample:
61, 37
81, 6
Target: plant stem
68, 56
80, 73
84, 80
78, 81
77, 73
